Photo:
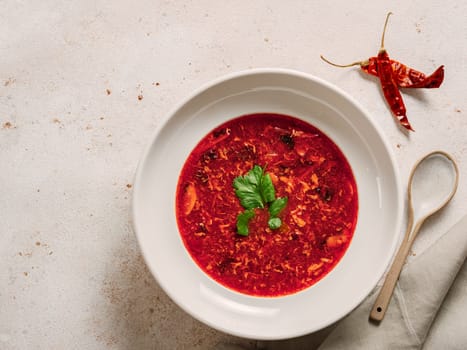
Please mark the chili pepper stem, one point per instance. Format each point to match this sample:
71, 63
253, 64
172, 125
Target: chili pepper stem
384, 31
358, 63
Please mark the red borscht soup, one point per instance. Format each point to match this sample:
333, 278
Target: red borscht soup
266, 204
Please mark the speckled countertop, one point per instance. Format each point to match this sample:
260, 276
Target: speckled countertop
83, 85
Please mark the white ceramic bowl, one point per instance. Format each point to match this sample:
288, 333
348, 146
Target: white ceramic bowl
380, 204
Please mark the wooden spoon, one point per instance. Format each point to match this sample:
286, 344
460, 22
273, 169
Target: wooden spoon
432, 183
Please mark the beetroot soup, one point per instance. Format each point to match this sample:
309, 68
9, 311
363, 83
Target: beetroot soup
266, 204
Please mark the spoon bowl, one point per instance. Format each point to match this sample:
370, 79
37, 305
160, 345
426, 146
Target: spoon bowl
432, 184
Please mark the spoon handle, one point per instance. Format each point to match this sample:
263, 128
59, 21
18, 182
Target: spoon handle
385, 294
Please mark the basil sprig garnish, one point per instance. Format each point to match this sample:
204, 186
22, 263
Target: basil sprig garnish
256, 190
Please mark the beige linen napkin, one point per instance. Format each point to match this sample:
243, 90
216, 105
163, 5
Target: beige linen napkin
428, 309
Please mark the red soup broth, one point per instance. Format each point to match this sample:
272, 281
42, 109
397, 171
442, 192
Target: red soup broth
318, 221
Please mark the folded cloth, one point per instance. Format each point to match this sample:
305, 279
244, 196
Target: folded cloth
448, 329
427, 311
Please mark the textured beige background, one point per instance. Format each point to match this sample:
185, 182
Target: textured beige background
83, 84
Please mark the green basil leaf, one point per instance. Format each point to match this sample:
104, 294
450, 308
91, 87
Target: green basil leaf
268, 193
274, 223
242, 222
254, 176
247, 193
276, 207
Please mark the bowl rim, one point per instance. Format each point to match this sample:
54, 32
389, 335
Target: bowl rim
262, 71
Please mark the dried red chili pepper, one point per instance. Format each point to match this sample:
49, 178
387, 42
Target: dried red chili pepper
392, 75
405, 76
390, 89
